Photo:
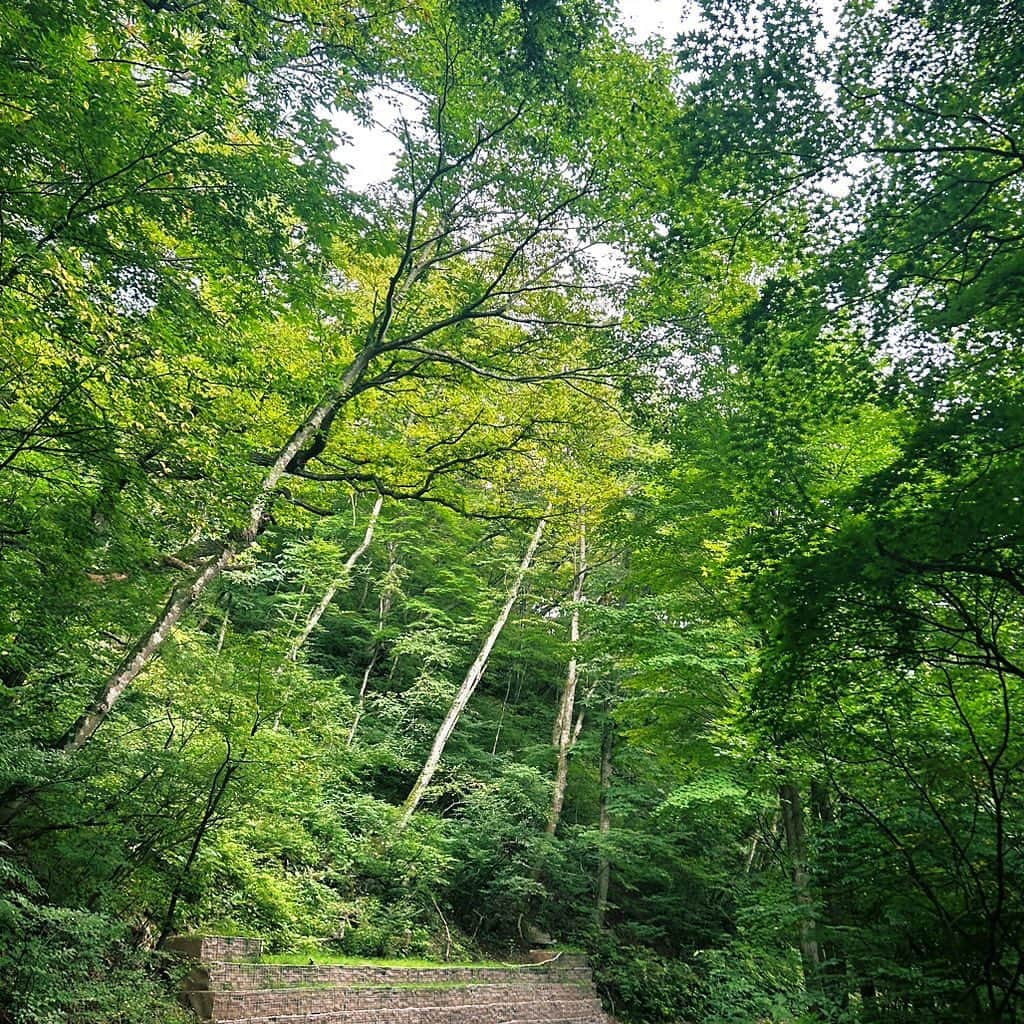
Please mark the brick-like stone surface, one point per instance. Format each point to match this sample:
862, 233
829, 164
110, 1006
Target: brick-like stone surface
211, 948
502, 1012
225, 990
257, 976
234, 1005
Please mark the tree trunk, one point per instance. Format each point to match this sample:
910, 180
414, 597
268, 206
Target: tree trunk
183, 597
314, 617
383, 608
222, 777
564, 736
218, 787
469, 684
604, 822
833, 969
793, 826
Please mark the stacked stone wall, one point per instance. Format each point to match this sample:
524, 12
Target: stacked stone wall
463, 1005
216, 948
226, 990
259, 976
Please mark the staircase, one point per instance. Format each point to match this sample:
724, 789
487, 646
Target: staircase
226, 985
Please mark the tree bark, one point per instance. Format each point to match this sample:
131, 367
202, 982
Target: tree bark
317, 613
469, 684
833, 969
604, 821
185, 596
383, 608
564, 736
314, 617
793, 826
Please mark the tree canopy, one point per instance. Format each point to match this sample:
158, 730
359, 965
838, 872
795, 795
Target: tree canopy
607, 523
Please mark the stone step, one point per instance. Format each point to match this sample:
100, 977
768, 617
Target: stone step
591, 1018
225, 1006
227, 985
233, 976
579, 1011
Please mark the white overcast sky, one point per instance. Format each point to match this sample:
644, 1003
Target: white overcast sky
369, 154
649, 18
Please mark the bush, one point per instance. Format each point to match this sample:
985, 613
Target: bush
744, 982
642, 985
499, 846
394, 930
66, 966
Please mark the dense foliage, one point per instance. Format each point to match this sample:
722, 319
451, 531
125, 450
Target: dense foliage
608, 524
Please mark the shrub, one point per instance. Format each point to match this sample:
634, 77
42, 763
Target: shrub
66, 966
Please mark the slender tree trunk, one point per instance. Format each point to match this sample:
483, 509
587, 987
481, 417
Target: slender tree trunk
222, 777
793, 826
564, 736
469, 684
750, 856
834, 972
501, 716
383, 607
218, 787
361, 700
184, 596
314, 617
769, 829
604, 821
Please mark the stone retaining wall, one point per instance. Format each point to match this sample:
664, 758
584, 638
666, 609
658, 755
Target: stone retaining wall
226, 990
235, 1005
259, 976
214, 948
524, 1014
458, 1004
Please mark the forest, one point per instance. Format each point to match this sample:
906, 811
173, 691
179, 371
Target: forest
607, 523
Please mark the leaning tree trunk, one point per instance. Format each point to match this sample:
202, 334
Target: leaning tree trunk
383, 608
793, 827
314, 617
230, 765
563, 736
469, 684
317, 613
184, 596
218, 787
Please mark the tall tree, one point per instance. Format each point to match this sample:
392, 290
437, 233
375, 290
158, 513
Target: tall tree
566, 728
471, 680
463, 250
